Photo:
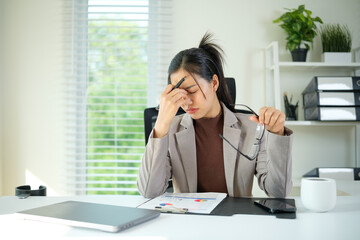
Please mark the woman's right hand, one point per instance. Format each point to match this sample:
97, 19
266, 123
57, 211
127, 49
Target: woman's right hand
170, 101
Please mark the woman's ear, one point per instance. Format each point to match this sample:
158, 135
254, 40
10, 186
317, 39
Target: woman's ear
215, 82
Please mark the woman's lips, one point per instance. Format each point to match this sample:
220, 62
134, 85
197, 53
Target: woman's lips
192, 110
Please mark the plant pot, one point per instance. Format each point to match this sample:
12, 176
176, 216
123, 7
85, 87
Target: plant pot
336, 57
299, 54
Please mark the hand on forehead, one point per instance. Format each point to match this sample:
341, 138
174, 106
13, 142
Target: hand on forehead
179, 75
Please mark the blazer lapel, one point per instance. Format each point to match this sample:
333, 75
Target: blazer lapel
187, 149
233, 135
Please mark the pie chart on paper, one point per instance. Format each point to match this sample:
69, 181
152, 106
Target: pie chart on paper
165, 204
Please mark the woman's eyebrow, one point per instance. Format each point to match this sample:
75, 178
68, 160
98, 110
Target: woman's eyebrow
190, 86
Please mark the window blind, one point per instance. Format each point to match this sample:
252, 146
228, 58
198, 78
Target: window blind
118, 54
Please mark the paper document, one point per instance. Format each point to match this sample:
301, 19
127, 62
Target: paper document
191, 202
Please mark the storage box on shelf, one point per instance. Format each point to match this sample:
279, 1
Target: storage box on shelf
274, 89
332, 98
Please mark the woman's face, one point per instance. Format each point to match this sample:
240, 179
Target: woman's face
207, 106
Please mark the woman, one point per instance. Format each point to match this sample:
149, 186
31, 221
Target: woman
212, 148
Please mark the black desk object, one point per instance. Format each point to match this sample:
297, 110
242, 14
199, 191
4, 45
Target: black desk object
231, 205
25, 191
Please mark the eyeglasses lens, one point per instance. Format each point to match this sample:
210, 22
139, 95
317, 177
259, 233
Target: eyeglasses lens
254, 151
259, 131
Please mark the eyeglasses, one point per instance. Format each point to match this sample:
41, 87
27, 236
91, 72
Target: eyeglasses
259, 133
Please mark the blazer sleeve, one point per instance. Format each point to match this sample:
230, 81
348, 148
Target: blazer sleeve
155, 169
274, 164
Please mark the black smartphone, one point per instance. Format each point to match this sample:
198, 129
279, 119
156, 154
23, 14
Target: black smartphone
275, 205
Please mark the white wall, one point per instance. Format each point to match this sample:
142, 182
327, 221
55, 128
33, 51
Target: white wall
1, 93
33, 132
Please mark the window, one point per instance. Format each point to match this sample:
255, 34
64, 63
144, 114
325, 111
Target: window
118, 53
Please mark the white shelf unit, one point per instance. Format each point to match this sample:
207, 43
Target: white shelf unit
273, 86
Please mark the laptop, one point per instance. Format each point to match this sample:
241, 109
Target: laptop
103, 217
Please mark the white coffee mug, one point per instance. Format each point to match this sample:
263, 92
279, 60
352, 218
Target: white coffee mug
318, 194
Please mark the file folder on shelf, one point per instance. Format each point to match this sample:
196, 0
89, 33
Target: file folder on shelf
332, 113
338, 173
321, 99
333, 84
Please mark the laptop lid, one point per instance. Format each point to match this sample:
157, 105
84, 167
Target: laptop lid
108, 218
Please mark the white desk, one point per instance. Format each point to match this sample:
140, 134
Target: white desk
340, 223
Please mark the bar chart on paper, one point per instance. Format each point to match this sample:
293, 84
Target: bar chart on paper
193, 202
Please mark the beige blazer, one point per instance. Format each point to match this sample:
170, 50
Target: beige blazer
175, 155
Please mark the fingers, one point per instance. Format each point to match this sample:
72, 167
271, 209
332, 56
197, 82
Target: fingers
273, 119
171, 99
168, 89
262, 114
179, 99
265, 114
185, 104
254, 119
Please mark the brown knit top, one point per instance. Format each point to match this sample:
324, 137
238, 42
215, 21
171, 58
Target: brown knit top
209, 154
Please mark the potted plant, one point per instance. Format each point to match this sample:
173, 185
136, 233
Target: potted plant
301, 29
336, 43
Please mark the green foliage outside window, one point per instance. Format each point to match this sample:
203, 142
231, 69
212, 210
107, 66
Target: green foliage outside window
117, 96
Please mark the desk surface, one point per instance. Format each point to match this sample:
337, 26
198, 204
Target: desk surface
340, 223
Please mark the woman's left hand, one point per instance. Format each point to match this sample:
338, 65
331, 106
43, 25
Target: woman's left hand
273, 119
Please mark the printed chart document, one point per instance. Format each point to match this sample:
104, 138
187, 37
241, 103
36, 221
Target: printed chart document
192, 202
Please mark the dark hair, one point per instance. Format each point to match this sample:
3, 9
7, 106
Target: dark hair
204, 61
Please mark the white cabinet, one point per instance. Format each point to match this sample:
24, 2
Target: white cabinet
293, 77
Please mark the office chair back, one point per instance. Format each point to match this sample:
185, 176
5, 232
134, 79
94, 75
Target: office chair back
150, 116
230, 84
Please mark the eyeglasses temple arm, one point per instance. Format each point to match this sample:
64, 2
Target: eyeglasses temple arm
235, 148
239, 104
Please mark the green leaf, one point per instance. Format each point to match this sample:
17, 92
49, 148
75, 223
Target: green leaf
292, 46
302, 18
277, 20
317, 19
308, 12
297, 27
292, 37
